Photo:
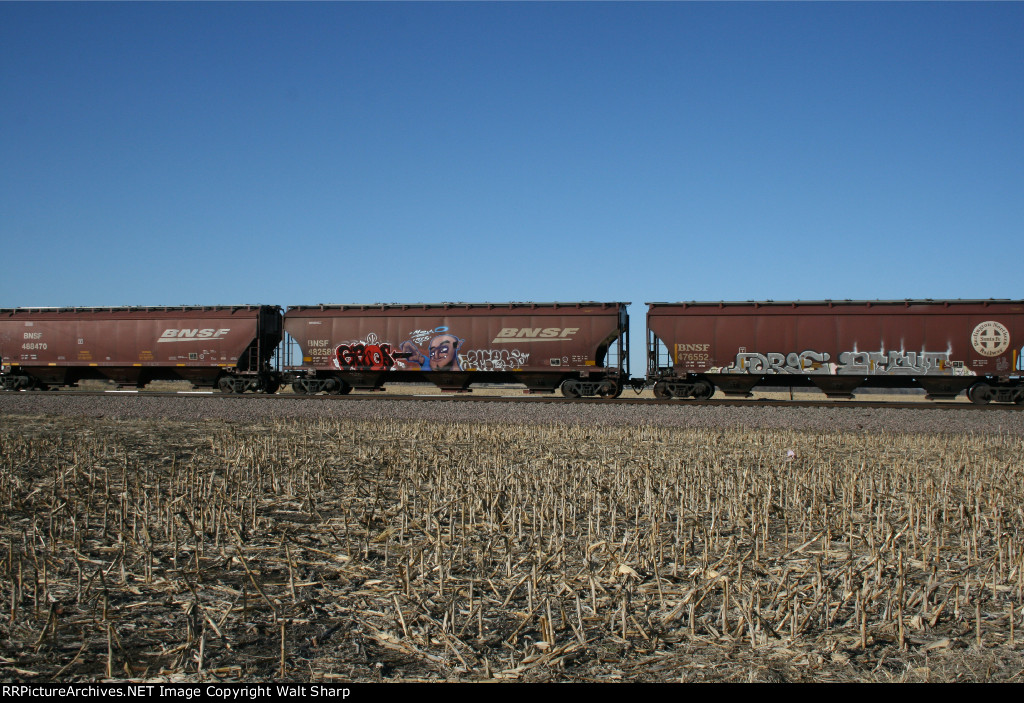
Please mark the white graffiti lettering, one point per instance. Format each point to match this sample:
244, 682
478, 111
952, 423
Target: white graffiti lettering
421, 336
493, 359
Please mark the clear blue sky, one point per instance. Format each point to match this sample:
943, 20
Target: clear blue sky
193, 153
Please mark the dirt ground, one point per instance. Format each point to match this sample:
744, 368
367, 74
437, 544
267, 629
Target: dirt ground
341, 549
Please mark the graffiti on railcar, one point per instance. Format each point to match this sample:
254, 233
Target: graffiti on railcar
420, 337
860, 363
805, 362
896, 363
493, 359
441, 354
373, 354
369, 354
438, 349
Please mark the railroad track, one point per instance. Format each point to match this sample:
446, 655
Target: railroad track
556, 399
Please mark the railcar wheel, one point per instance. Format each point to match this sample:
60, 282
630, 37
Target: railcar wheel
226, 385
703, 389
299, 387
571, 388
661, 390
610, 389
980, 393
339, 387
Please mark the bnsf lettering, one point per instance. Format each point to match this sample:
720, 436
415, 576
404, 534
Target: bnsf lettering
33, 335
693, 355
539, 334
176, 335
318, 343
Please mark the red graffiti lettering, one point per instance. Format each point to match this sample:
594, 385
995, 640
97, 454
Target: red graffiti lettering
363, 357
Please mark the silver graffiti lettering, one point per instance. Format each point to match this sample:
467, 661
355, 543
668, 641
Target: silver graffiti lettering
861, 363
895, 363
805, 362
854, 363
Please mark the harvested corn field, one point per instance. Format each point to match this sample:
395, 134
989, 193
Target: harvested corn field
330, 549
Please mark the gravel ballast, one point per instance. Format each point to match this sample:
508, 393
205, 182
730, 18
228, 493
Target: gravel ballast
256, 409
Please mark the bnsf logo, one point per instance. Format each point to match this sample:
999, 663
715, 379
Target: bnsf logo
535, 334
185, 335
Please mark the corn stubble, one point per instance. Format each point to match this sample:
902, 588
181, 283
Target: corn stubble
411, 550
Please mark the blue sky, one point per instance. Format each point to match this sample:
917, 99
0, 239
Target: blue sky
195, 153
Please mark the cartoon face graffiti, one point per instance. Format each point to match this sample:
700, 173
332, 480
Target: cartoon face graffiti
442, 352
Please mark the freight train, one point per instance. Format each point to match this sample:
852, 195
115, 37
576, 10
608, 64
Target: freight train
944, 347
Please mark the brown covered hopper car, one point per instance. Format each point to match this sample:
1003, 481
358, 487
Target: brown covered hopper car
578, 347
942, 346
225, 346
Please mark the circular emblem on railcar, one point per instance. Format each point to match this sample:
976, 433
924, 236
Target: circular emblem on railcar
990, 338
